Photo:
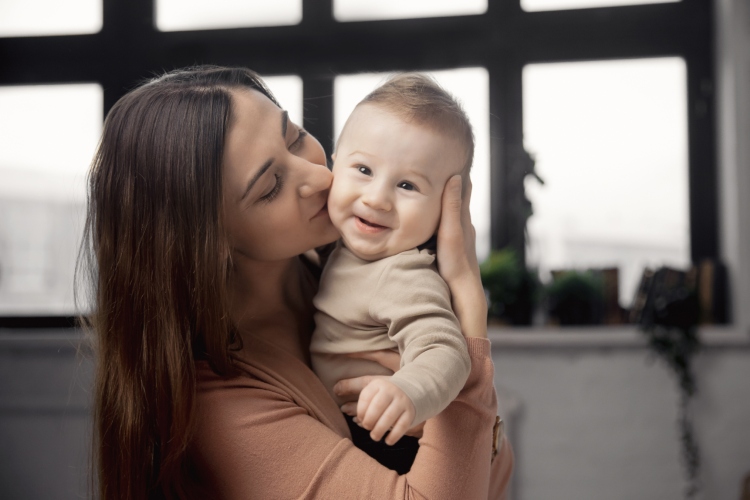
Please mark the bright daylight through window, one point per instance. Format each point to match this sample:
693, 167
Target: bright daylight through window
48, 134
610, 142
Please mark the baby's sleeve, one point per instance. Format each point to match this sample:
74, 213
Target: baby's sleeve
414, 302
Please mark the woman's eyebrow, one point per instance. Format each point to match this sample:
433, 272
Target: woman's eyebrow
269, 162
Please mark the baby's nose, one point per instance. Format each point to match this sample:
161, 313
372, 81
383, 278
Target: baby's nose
377, 197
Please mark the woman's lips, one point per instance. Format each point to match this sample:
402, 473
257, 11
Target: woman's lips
321, 212
368, 227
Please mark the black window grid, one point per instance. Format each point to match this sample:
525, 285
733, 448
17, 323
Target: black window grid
130, 48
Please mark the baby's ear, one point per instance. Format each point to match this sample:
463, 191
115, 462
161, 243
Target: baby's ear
333, 157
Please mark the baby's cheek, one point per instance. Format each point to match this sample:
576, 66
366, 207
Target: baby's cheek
431, 216
335, 208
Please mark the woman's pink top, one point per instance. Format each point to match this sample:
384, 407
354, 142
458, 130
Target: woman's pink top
274, 432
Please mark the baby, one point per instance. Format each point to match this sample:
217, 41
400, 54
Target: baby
380, 288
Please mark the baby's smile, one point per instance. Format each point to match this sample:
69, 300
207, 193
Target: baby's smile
369, 227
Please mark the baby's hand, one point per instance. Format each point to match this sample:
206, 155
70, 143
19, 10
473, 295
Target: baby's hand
382, 406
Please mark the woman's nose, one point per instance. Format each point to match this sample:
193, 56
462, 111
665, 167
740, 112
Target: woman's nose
377, 196
317, 178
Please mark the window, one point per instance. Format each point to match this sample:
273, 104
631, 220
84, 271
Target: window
48, 134
610, 142
520, 58
181, 15
540, 5
366, 10
49, 17
287, 89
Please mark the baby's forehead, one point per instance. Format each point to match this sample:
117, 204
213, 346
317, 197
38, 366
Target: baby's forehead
420, 145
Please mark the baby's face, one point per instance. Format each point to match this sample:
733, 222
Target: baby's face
388, 180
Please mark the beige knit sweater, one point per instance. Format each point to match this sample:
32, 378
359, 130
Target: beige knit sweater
401, 303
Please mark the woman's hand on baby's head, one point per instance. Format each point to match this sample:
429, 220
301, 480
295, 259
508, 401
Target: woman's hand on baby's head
457, 259
456, 243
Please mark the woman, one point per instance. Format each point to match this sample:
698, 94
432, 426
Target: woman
203, 199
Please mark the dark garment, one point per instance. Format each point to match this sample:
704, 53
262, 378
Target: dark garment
398, 457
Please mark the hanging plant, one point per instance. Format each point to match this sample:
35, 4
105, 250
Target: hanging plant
667, 310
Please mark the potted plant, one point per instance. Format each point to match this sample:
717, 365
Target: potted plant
576, 298
511, 288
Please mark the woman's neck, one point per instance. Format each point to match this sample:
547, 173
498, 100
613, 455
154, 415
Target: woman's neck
272, 300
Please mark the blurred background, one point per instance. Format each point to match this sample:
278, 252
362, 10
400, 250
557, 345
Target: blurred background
611, 170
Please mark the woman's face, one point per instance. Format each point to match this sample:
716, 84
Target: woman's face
275, 183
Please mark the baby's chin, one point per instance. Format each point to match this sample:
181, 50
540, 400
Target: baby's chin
373, 254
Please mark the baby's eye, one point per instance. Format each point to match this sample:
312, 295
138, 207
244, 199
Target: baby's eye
406, 185
364, 170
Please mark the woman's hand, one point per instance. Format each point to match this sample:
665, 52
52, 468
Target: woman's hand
457, 259
352, 387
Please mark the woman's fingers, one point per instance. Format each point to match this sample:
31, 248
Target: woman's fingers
470, 234
449, 230
349, 387
386, 357
457, 260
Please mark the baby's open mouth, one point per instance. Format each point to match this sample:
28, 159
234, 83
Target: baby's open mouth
368, 223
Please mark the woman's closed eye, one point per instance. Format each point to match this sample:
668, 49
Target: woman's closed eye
274, 191
299, 141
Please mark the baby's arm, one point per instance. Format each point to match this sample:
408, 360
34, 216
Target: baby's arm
414, 302
383, 405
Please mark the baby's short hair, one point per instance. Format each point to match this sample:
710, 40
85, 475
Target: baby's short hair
418, 98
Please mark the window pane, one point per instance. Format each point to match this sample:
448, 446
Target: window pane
49, 17
539, 5
364, 10
48, 134
610, 142
471, 87
288, 91
179, 15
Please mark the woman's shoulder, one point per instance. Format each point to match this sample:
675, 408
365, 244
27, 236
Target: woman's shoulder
224, 402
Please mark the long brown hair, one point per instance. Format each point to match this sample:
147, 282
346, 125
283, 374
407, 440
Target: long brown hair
159, 262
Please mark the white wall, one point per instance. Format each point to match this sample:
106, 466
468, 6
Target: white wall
44, 416
598, 421
733, 121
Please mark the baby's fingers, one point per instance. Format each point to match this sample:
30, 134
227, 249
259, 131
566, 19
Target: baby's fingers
365, 401
350, 408
370, 415
389, 417
399, 429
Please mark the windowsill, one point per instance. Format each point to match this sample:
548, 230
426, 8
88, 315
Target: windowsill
626, 336
52, 339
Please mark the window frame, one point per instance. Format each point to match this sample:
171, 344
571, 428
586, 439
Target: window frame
504, 39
